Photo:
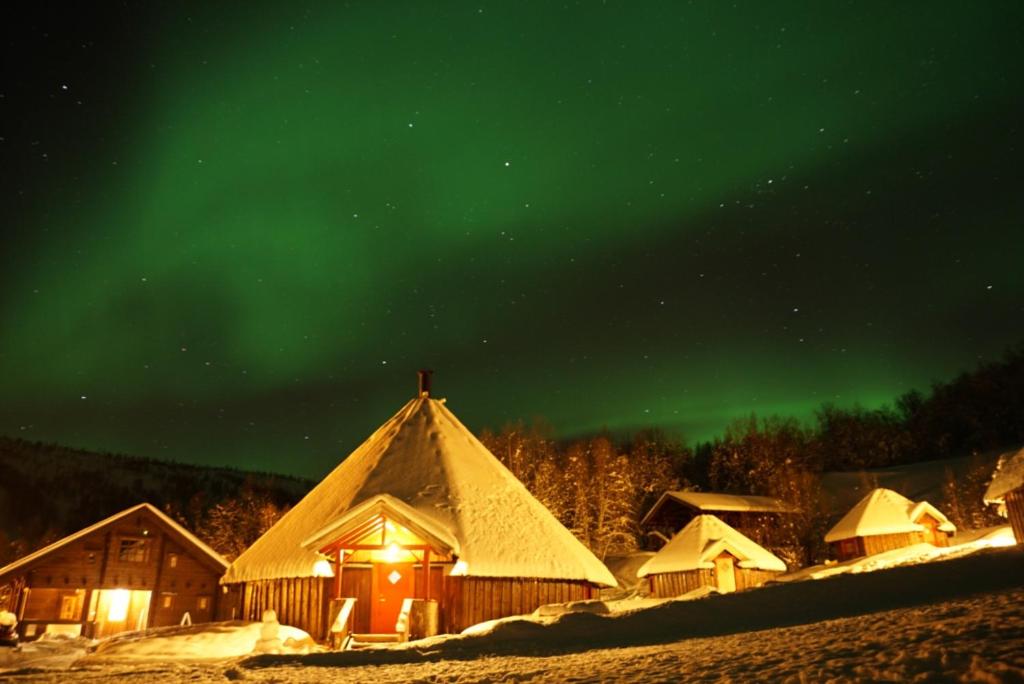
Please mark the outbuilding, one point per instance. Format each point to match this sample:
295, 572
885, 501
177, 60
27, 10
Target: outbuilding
755, 516
885, 520
708, 552
136, 569
1007, 491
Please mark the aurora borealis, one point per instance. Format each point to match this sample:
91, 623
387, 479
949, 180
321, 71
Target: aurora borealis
231, 237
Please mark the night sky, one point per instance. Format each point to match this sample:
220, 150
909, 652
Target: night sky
231, 235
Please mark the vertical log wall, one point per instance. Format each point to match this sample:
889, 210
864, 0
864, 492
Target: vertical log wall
1015, 512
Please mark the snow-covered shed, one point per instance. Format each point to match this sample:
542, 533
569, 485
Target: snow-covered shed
755, 516
1007, 490
136, 569
421, 510
885, 520
708, 552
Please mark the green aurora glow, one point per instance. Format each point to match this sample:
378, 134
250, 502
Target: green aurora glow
609, 215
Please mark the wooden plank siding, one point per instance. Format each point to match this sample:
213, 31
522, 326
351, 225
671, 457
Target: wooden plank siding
670, 584
1015, 512
462, 601
300, 602
469, 600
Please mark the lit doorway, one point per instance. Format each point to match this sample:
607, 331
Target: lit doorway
119, 610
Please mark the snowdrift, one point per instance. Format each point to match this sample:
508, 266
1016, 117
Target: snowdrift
779, 605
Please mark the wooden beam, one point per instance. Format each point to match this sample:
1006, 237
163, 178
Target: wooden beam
426, 573
338, 561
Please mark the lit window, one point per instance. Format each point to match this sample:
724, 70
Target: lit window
118, 611
394, 577
173, 560
133, 550
204, 603
168, 600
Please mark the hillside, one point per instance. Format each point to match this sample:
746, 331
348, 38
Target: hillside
48, 491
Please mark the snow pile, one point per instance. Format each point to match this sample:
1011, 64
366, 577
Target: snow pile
445, 479
884, 511
705, 538
994, 537
217, 640
1009, 475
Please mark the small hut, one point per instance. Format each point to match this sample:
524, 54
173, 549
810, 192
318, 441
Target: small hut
420, 518
133, 570
754, 516
885, 520
1007, 491
708, 552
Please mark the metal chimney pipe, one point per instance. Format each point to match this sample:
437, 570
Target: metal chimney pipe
424, 381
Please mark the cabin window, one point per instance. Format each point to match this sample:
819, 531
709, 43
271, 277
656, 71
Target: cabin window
133, 550
68, 607
91, 558
172, 560
167, 601
204, 603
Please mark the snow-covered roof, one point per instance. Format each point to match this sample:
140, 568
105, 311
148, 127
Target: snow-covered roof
717, 501
1009, 475
884, 511
704, 539
150, 508
446, 481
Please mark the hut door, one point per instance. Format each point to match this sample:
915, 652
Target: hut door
392, 583
724, 573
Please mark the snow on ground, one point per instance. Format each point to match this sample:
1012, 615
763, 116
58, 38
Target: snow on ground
971, 639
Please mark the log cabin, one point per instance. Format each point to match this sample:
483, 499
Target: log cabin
1007, 491
133, 570
421, 517
709, 553
885, 520
755, 516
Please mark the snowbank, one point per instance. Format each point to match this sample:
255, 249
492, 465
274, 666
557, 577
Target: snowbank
217, 640
774, 606
971, 542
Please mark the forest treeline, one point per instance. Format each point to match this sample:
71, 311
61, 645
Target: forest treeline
601, 489
598, 486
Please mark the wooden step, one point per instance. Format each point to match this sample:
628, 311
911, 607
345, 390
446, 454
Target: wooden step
377, 638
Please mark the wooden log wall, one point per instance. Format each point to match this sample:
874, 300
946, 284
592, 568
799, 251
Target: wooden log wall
469, 600
748, 578
1015, 512
877, 543
299, 602
669, 584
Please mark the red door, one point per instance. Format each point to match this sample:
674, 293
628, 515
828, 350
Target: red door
392, 583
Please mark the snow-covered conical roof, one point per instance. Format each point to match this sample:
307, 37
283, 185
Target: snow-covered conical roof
442, 475
884, 511
1009, 475
704, 539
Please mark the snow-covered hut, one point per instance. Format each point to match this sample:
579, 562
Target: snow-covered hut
754, 516
708, 552
885, 520
136, 569
1007, 491
421, 510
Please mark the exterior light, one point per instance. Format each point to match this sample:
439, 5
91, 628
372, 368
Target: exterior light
460, 569
392, 553
322, 568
